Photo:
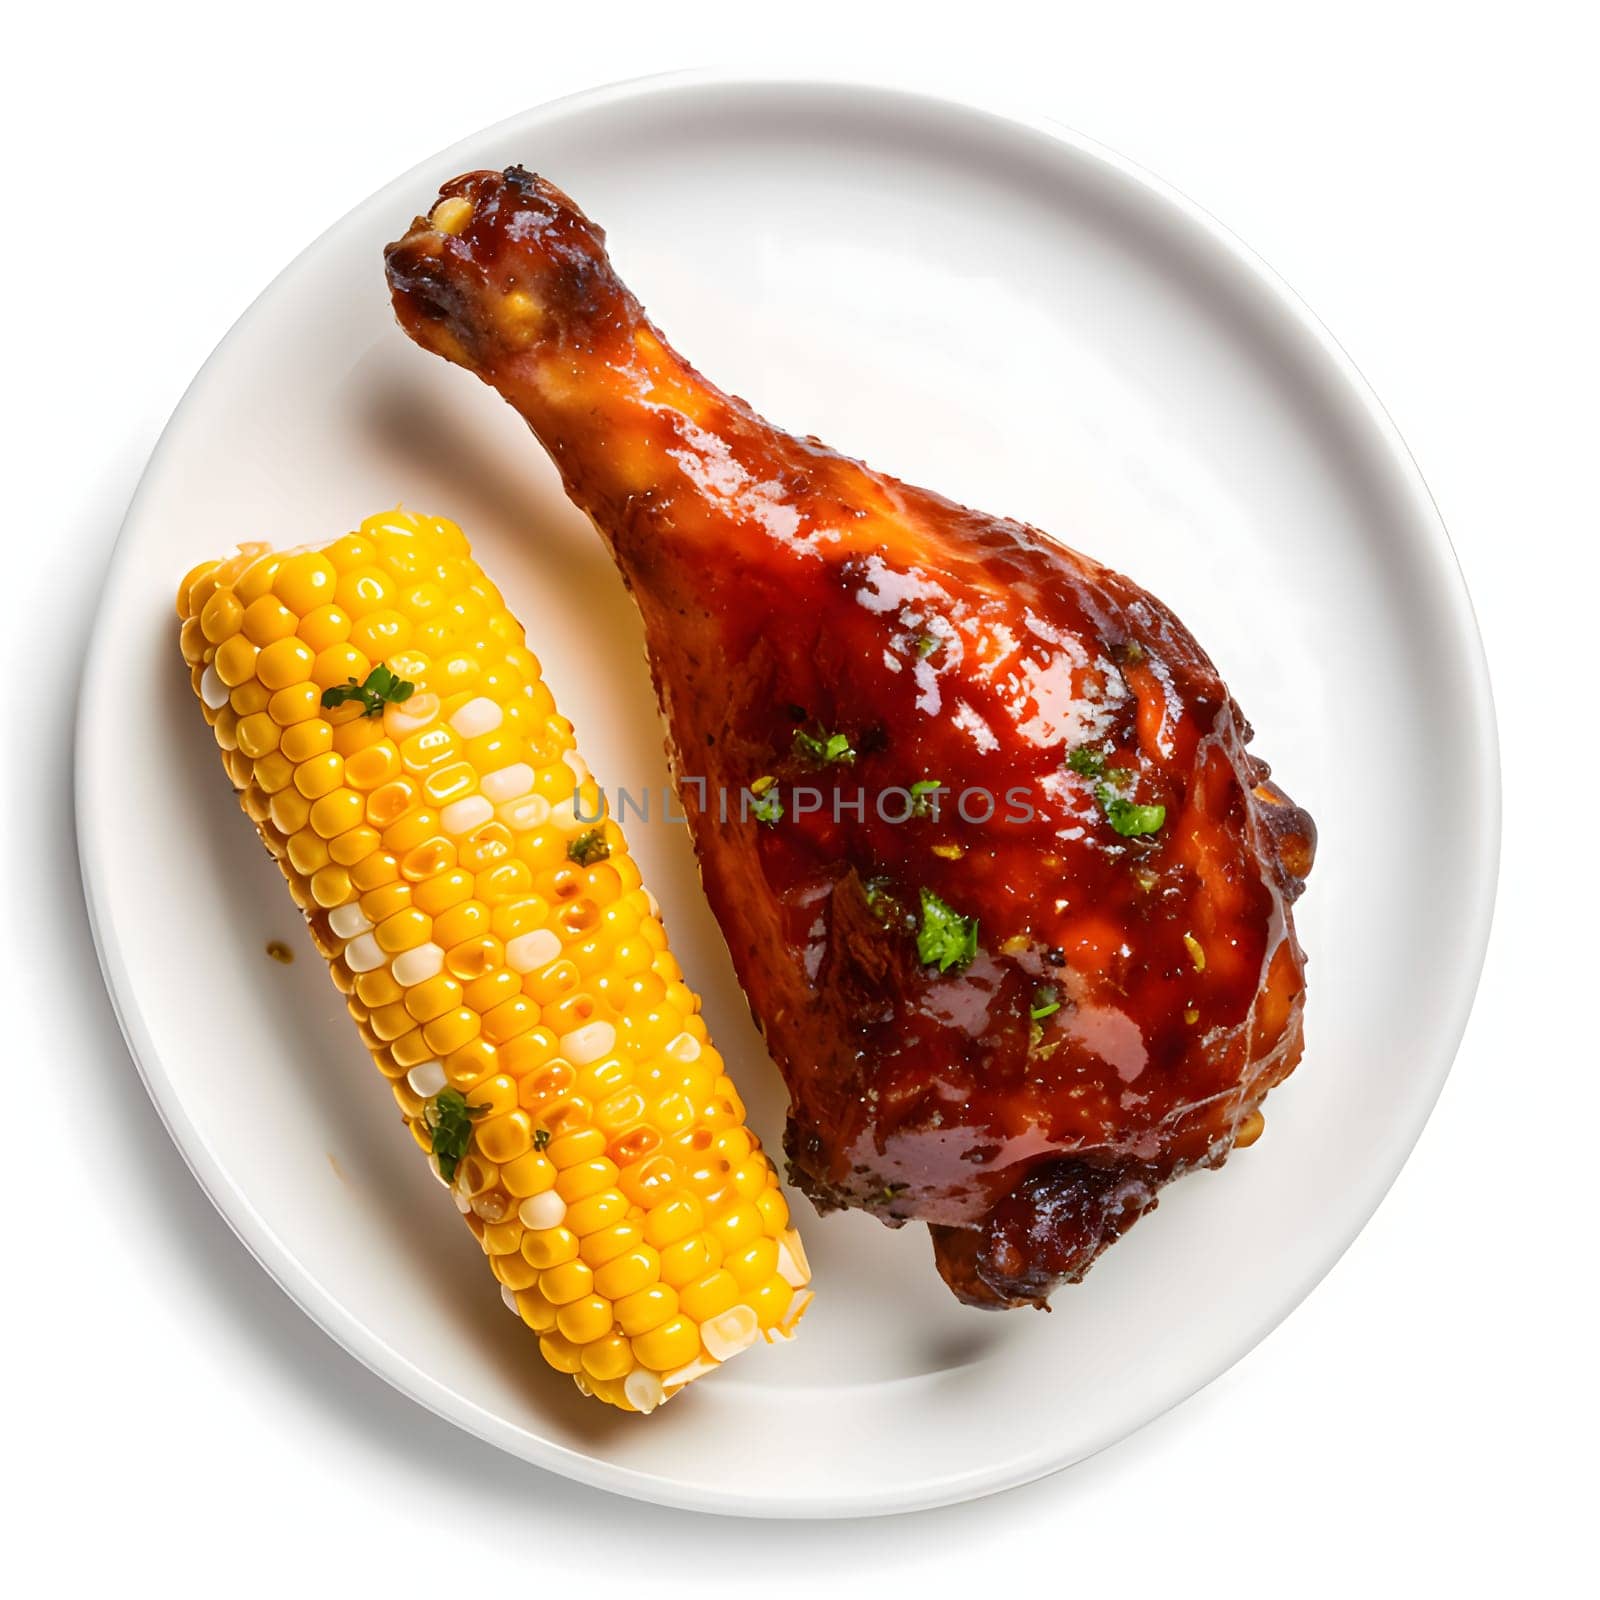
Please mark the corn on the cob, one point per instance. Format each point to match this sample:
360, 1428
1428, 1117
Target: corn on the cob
506, 968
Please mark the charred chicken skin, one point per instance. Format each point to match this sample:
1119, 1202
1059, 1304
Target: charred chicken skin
1008, 895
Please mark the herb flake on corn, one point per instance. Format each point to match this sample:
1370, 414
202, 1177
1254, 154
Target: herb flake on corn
390, 735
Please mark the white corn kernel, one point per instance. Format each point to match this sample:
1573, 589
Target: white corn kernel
684, 1048
363, 954
643, 1389
588, 1043
476, 718
525, 813
428, 1079
793, 1267
507, 783
462, 816
565, 819
733, 1331
697, 1368
580, 767
416, 966
797, 1306
510, 1299
545, 1210
403, 718
582, 1384
531, 952
212, 689
348, 921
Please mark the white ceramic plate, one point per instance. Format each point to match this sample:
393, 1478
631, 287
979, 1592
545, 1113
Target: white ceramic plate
989, 306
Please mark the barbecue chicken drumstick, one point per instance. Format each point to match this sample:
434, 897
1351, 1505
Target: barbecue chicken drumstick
1017, 1026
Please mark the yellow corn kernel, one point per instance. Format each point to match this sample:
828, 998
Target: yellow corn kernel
503, 1238
304, 582
309, 738
738, 1225
688, 1259
609, 1357
441, 894
319, 775
330, 886
378, 988
235, 660
575, 1148
561, 1353
597, 1211
370, 869
411, 1050
754, 1264
338, 665
535, 1310
709, 1296
609, 1178
470, 1065
497, 1096
385, 900
371, 768
674, 1217
256, 578
248, 698
585, 1178
585, 1319
513, 1271
290, 810
528, 1174
609, 1243
452, 1031
433, 998
337, 812
771, 1301
257, 735
549, 1247
325, 626
506, 1138
629, 1273
404, 930
267, 620
466, 920
646, 1309
675, 1343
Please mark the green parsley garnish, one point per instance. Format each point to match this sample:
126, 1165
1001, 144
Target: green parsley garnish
769, 803
926, 644
1045, 1003
922, 803
1128, 819
381, 688
946, 938
450, 1118
589, 847
821, 749
541, 1138
886, 905
1124, 816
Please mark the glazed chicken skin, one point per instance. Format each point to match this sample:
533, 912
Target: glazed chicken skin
1012, 1007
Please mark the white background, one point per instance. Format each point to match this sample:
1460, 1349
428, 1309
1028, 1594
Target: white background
1425, 178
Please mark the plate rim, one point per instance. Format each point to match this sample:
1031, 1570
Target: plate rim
1425, 529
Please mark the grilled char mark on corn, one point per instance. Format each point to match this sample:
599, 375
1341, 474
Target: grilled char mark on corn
506, 979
